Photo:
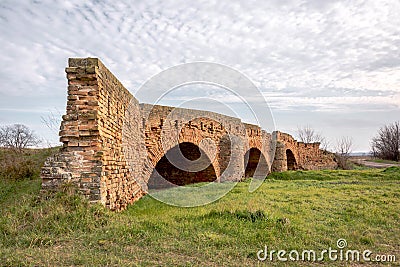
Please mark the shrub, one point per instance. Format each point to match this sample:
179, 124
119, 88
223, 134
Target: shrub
386, 145
15, 167
25, 164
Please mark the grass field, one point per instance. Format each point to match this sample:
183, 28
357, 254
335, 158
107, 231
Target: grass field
291, 210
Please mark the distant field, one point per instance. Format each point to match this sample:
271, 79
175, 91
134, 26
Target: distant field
291, 210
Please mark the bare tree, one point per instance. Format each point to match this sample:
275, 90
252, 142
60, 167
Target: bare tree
324, 144
343, 149
17, 137
52, 121
308, 135
386, 144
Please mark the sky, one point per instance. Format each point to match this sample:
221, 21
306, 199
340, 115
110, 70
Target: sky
331, 65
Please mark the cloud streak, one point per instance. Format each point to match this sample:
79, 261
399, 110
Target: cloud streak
312, 55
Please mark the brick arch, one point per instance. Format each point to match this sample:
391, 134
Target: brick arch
196, 167
283, 148
291, 161
255, 163
293, 149
258, 142
204, 133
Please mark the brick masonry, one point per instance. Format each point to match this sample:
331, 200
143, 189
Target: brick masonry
306, 156
112, 145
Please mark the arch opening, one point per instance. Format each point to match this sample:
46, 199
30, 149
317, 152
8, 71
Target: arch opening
256, 164
291, 160
166, 174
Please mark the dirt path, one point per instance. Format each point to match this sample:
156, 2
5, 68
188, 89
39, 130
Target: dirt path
371, 164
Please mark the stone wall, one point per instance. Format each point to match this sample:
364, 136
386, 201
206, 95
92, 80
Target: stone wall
112, 145
307, 156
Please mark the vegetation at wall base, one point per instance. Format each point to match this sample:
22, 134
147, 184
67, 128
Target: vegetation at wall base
291, 210
23, 164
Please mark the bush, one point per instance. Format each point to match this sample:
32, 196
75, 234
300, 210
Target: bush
392, 170
15, 167
343, 150
386, 145
25, 164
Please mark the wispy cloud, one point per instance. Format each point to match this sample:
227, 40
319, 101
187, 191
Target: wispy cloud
307, 50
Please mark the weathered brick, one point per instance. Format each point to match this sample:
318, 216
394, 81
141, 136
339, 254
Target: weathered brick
106, 160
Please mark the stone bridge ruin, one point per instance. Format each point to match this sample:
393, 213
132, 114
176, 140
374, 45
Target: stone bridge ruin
115, 149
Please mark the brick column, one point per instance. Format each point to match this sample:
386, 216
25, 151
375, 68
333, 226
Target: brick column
80, 159
94, 140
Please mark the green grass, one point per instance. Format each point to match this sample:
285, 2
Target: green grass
291, 210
